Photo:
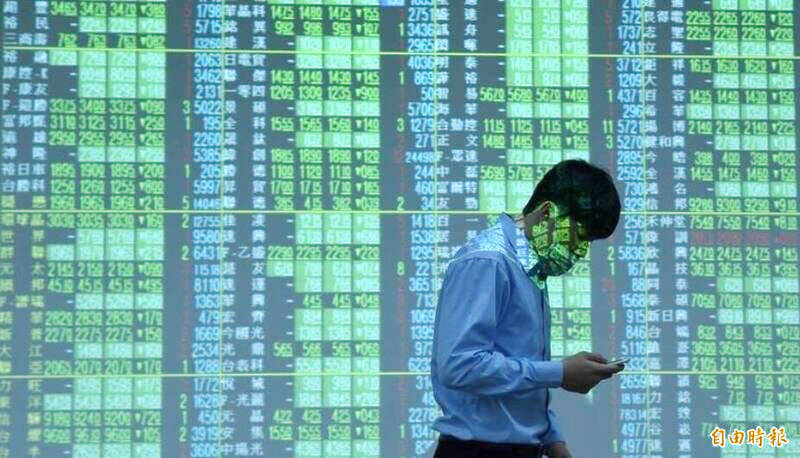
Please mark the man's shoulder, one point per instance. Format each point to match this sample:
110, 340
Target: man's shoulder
490, 244
494, 256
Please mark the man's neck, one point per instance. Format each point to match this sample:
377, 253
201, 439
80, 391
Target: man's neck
519, 221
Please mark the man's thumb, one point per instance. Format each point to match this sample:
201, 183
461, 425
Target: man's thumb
615, 368
607, 369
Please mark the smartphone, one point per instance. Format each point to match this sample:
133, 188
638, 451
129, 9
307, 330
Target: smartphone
618, 360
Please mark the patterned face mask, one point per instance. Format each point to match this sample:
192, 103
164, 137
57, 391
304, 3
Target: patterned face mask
558, 260
557, 253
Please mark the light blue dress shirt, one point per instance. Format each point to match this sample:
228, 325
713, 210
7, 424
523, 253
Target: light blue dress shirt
491, 367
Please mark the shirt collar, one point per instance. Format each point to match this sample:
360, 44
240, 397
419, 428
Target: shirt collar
516, 237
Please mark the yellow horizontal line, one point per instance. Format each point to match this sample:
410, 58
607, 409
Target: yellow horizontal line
387, 212
400, 53
362, 374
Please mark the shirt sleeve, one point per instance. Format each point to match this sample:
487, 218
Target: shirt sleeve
554, 434
472, 292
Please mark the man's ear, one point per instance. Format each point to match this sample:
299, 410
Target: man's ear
545, 209
541, 212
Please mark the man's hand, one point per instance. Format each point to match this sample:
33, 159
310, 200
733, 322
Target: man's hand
558, 450
584, 370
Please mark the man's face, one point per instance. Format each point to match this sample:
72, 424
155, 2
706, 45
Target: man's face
557, 239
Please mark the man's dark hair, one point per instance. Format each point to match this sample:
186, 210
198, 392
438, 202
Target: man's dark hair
586, 192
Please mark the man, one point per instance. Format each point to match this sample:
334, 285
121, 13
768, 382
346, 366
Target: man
491, 367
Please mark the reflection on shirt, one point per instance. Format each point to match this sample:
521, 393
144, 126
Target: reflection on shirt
491, 367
